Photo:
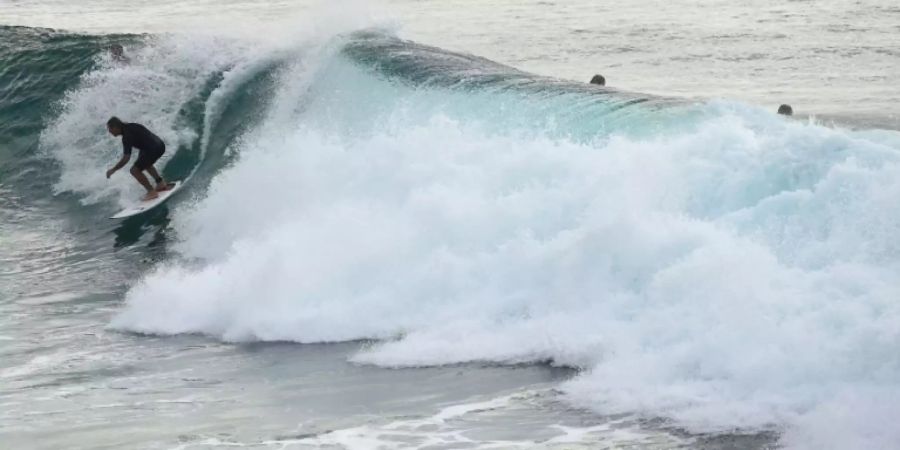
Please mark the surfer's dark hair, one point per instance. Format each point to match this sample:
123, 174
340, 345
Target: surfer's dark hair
115, 122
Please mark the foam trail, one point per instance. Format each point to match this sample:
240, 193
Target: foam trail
736, 274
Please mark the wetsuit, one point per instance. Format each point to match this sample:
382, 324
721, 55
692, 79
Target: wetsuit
150, 145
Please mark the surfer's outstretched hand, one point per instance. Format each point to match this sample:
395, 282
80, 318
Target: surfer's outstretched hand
109, 173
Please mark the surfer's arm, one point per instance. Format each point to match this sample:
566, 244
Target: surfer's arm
119, 165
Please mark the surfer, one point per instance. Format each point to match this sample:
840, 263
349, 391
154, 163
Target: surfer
118, 53
151, 149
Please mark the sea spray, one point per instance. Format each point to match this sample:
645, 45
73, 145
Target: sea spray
729, 270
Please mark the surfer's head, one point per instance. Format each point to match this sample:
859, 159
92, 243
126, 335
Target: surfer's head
786, 110
598, 79
115, 125
118, 53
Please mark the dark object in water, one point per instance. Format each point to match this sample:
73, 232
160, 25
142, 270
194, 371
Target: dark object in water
786, 110
598, 79
118, 53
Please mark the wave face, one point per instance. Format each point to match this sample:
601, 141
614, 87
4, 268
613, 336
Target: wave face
711, 264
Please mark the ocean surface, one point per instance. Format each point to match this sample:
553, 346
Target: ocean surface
413, 224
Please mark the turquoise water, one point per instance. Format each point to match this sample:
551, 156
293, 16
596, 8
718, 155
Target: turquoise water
451, 240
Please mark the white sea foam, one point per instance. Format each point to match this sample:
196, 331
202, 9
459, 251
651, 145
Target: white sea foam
741, 274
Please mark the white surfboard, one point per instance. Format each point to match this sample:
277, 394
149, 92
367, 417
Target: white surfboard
143, 206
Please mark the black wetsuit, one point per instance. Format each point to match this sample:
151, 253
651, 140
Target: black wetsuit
150, 145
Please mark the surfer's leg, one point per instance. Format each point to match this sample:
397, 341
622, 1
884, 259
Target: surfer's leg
161, 184
147, 159
138, 174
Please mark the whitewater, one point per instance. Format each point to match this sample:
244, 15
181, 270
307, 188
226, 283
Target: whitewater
736, 270
698, 265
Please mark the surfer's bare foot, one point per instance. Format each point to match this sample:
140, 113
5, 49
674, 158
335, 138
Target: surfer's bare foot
150, 196
164, 187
